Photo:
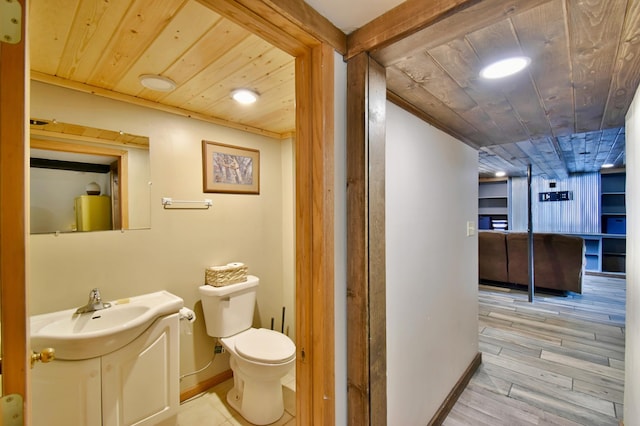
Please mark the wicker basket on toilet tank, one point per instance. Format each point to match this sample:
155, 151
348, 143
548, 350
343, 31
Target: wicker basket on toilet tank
232, 273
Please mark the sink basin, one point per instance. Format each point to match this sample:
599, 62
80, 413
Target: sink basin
93, 334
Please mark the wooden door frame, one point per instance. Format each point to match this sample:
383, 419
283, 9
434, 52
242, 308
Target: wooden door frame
314, 156
13, 218
314, 205
315, 364
366, 242
293, 27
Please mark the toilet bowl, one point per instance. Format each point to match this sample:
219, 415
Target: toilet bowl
259, 359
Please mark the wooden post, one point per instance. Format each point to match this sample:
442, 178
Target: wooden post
366, 282
13, 225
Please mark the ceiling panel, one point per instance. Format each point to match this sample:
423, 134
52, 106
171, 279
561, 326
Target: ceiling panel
108, 45
563, 114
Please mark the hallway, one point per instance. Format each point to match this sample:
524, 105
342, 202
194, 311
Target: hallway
559, 361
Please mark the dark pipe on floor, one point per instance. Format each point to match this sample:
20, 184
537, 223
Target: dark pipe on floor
282, 328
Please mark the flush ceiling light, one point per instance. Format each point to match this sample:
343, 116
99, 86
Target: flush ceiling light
607, 166
244, 96
505, 67
157, 82
501, 174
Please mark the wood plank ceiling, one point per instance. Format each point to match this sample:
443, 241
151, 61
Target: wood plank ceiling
103, 47
564, 114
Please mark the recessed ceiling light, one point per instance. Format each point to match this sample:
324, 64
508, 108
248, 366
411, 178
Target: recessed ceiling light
244, 96
505, 67
157, 82
501, 174
607, 166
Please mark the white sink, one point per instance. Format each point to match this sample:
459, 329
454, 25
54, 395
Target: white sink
81, 336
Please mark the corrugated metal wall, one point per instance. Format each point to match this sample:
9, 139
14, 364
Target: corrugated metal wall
518, 206
581, 215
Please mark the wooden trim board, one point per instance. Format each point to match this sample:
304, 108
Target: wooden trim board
315, 381
13, 218
400, 102
109, 94
323, 270
457, 390
309, 20
405, 19
315, 358
205, 385
366, 297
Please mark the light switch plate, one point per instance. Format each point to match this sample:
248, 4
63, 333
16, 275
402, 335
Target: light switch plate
471, 228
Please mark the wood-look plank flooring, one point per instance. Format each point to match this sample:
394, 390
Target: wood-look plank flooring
558, 361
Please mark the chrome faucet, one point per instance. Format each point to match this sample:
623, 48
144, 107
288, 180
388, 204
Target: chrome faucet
95, 303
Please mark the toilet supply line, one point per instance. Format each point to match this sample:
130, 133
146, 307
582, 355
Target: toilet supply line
217, 349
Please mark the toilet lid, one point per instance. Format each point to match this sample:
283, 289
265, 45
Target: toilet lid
266, 346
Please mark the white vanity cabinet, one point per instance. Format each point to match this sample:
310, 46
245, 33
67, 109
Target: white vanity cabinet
66, 393
140, 382
135, 385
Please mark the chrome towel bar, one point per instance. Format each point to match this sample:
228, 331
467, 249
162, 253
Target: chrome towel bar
169, 203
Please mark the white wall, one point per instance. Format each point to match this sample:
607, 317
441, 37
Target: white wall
432, 266
340, 229
632, 337
171, 255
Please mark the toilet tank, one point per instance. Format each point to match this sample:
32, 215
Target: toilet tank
228, 310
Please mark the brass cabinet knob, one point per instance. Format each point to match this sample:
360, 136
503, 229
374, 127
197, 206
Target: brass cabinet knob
46, 355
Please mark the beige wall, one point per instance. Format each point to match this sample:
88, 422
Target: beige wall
432, 265
632, 351
172, 255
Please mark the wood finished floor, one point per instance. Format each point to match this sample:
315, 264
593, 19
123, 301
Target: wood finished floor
558, 361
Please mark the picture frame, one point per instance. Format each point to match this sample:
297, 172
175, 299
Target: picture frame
230, 169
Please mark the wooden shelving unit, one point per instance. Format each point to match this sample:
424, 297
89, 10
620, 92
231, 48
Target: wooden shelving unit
613, 221
593, 252
493, 204
604, 251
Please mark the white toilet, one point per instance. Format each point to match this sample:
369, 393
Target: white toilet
259, 358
